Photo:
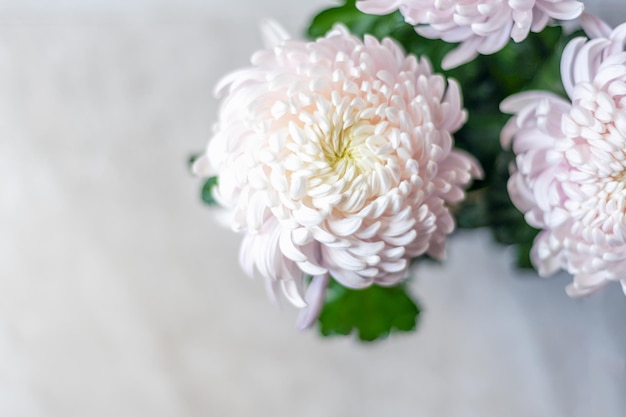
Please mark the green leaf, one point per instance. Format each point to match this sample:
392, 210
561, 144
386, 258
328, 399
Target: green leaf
191, 160
523, 255
373, 312
506, 221
473, 212
359, 23
549, 75
207, 191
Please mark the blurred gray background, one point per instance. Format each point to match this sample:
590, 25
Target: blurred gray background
120, 295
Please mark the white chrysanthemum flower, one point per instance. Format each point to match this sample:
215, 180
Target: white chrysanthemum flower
335, 158
482, 26
570, 178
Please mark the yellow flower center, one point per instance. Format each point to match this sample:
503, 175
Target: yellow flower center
345, 149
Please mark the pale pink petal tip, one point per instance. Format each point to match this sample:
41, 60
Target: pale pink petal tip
292, 292
459, 56
595, 27
562, 10
378, 7
202, 167
314, 297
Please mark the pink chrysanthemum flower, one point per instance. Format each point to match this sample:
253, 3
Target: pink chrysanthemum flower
335, 158
482, 26
570, 178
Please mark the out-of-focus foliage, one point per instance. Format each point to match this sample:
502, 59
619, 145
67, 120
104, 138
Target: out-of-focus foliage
207, 191
371, 313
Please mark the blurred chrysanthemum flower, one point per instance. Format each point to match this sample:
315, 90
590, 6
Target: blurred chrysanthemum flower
335, 159
570, 178
482, 26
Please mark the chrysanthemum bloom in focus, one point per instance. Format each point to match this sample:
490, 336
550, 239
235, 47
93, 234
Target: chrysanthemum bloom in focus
335, 159
482, 26
571, 162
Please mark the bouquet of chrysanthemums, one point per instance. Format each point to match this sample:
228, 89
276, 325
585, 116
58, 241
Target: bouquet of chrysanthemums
345, 159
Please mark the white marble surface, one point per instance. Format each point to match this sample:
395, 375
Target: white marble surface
121, 296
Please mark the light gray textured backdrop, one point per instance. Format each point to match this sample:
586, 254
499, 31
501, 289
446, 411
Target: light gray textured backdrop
121, 296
